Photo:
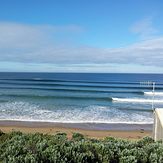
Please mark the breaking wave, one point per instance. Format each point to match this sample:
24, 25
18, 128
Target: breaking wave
25, 111
154, 93
136, 100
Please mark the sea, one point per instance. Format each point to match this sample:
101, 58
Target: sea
80, 97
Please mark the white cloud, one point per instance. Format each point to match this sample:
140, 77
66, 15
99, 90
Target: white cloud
32, 44
144, 28
98, 68
14, 35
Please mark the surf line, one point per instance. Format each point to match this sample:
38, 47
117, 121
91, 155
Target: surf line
135, 100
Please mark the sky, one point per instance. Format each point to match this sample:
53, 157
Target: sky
106, 36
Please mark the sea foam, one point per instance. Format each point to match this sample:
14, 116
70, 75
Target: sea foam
25, 111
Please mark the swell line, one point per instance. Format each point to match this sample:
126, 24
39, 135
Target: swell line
80, 81
73, 90
61, 80
86, 86
136, 109
56, 97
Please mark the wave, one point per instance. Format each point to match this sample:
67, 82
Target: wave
3, 100
136, 109
62, 80
154, 93
136, 100
74, 90
26, 111
82, 85
56, 97
78, 81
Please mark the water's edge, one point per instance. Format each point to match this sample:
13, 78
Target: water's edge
84, 126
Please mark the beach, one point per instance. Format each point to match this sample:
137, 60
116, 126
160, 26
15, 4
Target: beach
94, 104
126, 131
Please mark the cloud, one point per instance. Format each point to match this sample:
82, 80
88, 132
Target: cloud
14, 35
33, 44
144, 28
104, 68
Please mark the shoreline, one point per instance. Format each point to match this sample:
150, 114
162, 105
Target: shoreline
85, 126
128, 131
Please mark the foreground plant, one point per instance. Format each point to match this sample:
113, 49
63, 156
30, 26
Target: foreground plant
17, 147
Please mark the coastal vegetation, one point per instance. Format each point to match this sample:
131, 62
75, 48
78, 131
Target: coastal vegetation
17, 147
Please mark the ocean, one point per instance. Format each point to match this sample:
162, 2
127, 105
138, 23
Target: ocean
80, 97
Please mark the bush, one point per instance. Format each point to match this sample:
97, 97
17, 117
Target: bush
1, 132
17, 147
77, 136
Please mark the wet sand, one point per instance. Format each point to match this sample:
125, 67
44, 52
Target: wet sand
128, 131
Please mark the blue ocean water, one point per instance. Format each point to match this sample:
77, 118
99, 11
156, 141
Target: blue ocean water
79, 97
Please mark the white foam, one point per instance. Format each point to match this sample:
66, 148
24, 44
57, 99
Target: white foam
154, 93
136, 100
25, 111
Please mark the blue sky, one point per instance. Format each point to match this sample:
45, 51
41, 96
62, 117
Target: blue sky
81, 35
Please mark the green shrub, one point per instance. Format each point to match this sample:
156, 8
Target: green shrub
1, 133
77, 136
17, 147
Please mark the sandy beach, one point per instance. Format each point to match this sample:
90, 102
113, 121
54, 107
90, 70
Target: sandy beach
89, 130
